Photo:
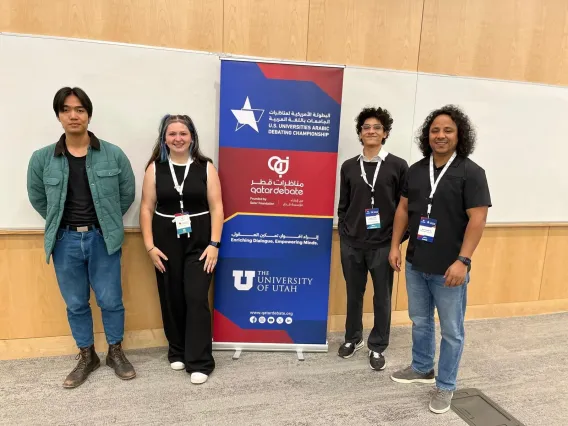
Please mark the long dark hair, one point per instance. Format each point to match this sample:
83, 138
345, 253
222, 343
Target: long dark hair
161, 151
466, 131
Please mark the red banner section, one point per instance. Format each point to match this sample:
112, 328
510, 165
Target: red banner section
227, 331
277, 182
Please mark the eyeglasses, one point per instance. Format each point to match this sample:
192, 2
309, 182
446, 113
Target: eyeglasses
376, 127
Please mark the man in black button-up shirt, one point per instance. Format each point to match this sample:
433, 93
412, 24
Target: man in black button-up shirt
444, 204
370, 189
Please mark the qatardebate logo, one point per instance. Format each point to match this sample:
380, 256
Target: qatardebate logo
247, 116
278, 165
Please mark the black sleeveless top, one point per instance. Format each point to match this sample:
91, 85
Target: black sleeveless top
194, 189
194, 201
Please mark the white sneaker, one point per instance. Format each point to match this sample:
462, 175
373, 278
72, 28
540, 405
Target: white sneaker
178, 365
198, 378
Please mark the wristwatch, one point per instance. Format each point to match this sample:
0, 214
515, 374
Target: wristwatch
215, 243
465, 260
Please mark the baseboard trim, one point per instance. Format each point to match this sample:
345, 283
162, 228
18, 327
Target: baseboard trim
139, 339
473, 312
136, 229
65, 345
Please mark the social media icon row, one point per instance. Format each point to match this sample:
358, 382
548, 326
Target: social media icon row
270, 320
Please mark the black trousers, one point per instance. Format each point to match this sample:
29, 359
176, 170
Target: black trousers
356, 264
184, 299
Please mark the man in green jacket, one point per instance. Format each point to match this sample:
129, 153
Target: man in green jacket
82, 186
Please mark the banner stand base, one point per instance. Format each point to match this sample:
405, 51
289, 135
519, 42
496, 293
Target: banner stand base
300, 349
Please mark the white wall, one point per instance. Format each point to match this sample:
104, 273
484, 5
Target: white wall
521, 126
521, 141
131, 87
393, 90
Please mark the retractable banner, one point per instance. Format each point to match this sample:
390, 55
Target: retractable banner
278, 139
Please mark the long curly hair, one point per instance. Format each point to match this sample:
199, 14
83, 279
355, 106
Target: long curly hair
380, 114
466, 132
161, 151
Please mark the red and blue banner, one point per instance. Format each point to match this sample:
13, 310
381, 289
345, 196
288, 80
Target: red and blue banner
278, 139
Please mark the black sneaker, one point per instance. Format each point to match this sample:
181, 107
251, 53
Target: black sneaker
377, 361
348, 349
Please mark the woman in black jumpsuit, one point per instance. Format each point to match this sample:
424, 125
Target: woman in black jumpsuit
184, 263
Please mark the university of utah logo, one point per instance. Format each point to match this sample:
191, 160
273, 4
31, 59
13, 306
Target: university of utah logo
249, 280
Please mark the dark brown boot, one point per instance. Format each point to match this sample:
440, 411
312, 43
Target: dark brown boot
88, 362
117, 361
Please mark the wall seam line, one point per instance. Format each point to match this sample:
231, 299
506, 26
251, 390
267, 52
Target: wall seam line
544, 262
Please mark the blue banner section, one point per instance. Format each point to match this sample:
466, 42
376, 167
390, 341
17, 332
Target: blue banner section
275, 275
276, 294
259, 112
252, 236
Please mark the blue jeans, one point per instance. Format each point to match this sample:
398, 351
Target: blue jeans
426, 291
80, 259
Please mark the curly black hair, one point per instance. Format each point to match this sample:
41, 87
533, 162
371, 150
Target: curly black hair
380, 114
466, 132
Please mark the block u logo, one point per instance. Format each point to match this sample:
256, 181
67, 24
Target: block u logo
249, 280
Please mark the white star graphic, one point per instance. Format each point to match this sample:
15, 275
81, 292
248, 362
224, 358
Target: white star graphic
246, 115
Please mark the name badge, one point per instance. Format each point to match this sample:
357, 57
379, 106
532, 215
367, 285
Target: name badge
183, 223
372, 218
427, 229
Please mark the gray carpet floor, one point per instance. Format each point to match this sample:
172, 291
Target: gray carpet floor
521, 363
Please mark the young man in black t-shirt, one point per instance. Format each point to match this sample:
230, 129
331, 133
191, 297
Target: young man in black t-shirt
370, 189
444, 204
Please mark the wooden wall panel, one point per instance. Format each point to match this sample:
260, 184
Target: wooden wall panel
373, 33
507, 267
5, 291
270, 28
187, 24
65, 345
4, 15
140, 292
502, 271
338, 290
555, 275
512, 266
31, 304
524, 40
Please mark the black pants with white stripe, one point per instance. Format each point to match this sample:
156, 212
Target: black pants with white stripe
356, 264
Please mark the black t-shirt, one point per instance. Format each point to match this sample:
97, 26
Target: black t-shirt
463, 186
79, 207
355, 197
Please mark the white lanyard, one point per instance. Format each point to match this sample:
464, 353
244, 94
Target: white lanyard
364, 176
177, 186
434, 184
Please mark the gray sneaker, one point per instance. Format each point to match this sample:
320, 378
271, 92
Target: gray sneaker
409, 375
441, 401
